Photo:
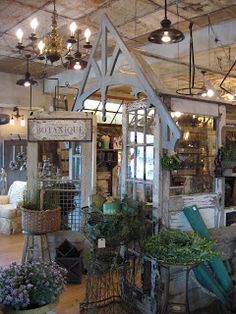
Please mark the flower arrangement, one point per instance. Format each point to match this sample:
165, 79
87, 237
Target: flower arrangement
31, 285
170, 161
177, 247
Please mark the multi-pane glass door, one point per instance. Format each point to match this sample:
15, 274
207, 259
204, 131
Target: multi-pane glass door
140, 153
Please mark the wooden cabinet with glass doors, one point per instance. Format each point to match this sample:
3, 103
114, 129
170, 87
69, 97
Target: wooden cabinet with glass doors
197, 151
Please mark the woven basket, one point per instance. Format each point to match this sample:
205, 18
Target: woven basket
41, 221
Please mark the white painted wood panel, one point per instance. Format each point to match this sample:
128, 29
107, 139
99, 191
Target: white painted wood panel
194, 107
208, 205
177, 220
201, 200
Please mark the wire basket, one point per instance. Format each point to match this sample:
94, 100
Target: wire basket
41, 221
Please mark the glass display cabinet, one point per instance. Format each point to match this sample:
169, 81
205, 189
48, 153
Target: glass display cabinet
197, 151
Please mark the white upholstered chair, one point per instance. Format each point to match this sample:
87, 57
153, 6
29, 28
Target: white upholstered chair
10, 213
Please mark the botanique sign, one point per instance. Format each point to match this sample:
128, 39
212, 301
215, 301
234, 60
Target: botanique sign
79, 129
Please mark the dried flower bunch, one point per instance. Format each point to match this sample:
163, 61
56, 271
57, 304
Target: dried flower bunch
31, 285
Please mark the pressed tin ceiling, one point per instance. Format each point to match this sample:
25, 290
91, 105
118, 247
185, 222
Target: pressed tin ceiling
134, 19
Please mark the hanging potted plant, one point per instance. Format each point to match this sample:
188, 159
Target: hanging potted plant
31, 288
170, 161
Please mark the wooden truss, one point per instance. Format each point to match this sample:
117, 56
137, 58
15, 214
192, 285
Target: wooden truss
101, 73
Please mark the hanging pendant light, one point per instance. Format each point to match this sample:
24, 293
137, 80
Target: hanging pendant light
166, 34
27, 80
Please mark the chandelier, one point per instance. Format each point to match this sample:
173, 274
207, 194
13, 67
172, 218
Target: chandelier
52, 47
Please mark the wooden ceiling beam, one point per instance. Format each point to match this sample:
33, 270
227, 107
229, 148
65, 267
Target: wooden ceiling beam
201, 68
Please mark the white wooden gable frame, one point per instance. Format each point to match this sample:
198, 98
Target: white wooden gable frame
141, 81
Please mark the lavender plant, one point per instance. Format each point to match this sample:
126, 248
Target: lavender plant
31, 285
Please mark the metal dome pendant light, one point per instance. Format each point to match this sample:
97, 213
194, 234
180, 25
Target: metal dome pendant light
27, 80
166, 34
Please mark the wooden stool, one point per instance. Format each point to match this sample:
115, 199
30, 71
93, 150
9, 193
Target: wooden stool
35, 247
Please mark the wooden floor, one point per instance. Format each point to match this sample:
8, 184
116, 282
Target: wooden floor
11, 251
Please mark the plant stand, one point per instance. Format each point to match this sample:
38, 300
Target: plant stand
103, 288
170, 306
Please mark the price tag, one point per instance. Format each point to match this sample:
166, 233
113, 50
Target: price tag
101, 243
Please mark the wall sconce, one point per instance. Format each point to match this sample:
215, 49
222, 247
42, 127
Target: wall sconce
16, 114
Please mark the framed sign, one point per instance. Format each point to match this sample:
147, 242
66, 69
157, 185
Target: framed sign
78, 129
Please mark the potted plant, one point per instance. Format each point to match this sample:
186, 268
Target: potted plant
123, 222
170, 161
40, 212
107, 232
33, 287
172, 246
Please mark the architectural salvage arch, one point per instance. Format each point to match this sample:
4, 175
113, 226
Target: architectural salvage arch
101, 74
